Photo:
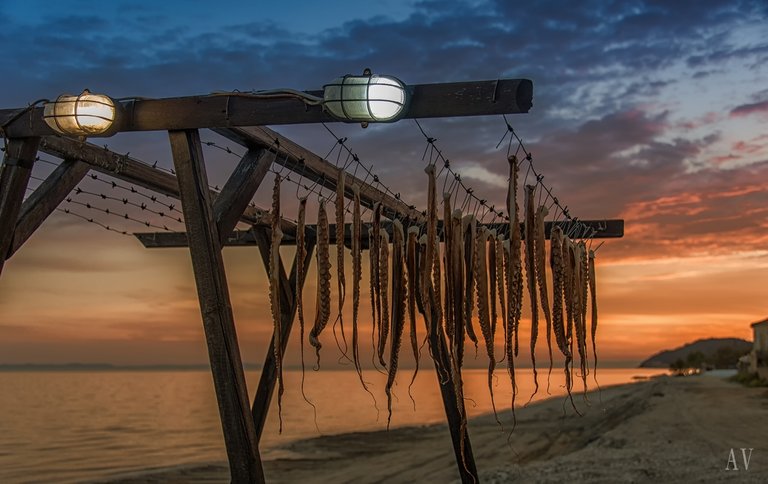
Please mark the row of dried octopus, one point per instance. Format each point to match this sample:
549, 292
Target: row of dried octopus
477, 269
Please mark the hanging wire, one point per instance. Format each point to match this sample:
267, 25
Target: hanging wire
124, 201
470, 198
353, 157
127, 202
576, 227
113, 213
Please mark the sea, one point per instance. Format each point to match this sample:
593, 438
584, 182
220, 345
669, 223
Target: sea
86, 426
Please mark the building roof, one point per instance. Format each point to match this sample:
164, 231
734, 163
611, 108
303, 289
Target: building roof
760, 323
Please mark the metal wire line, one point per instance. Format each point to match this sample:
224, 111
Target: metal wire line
125, 215
577, 227
436, 154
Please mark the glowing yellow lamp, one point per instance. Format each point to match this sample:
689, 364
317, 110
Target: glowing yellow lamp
84, 115
366, 98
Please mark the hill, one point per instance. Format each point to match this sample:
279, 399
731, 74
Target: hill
720, 352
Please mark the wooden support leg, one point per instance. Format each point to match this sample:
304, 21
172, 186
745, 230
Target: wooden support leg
288, 304
44, 200
14, 176
218, 322
466, 462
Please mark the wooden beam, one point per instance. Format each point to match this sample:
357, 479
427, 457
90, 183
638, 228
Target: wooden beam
141, 174
501, 96
462, 446
288, 305
605, 229
455, 415
44, 200
318, 170
239, 189
218, 321
15, 171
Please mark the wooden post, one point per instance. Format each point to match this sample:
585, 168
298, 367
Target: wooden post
218, 322
14, 176
465, 462
288, 304
44, 200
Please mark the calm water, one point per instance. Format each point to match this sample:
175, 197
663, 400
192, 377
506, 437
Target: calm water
80, 426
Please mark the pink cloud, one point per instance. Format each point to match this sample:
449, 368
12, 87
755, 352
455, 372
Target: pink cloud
752, 108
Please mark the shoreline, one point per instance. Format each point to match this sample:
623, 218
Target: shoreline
664, 428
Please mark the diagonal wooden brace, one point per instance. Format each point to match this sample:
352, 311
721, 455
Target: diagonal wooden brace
288, 305
44, 200
14, 177
239, 189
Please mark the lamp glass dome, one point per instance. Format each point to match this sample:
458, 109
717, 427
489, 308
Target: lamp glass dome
365, 98
84, 115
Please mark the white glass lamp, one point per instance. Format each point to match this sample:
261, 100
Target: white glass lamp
366, 99
84, 115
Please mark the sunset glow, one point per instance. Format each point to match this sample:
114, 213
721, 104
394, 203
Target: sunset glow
654, 114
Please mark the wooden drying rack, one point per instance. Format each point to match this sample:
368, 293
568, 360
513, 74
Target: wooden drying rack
211, 217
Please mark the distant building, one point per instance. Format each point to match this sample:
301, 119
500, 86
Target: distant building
759, 356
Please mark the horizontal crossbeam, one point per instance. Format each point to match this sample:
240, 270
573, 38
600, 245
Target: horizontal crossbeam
221, 110
603, 229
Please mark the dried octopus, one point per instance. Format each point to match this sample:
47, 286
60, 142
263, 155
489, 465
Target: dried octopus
593, 295
455, 264
411, 261
340, 279
582, 285
492, 275
559, 265
323, 300
513, 275
483, 306
469, 227
274, 296
357, 275
498, 249
448, 314
399, 297
301, 255
530, 269
431, 238
384, 292
374, 242
541, 277
457, 269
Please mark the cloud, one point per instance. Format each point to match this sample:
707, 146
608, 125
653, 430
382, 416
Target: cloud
749, 109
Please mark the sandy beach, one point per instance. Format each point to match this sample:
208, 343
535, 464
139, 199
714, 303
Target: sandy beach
661, 430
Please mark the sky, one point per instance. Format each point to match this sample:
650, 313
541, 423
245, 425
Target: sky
654, 112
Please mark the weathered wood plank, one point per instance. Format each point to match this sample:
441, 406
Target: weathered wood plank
135, 172
239, 189
288, 305
465, 460
605, 229
218, 320
15, 171
44, 200
502, 96
316, 169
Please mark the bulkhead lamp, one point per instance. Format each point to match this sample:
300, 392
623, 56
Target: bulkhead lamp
85, 115
366, 99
